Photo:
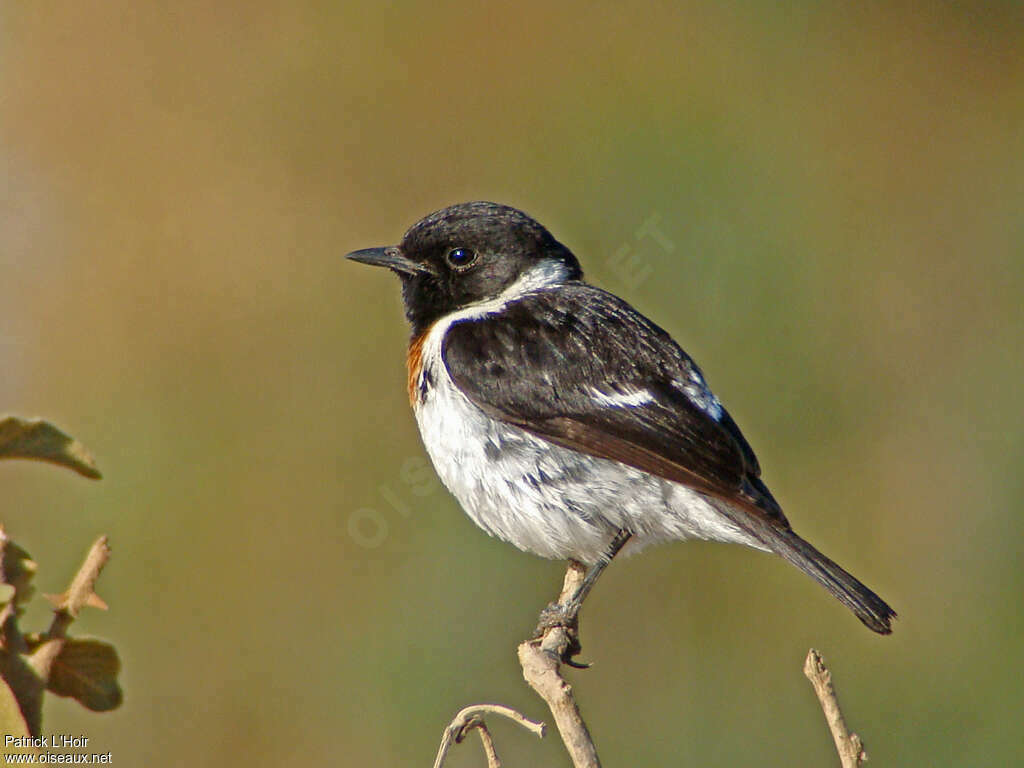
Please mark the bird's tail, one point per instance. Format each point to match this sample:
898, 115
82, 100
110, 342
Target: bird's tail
866, 605
775, 534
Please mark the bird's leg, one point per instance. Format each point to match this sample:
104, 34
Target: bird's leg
576, 600
565, 613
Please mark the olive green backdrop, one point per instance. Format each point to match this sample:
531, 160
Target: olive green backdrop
822, 203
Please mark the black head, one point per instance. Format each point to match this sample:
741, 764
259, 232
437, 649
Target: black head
470, 253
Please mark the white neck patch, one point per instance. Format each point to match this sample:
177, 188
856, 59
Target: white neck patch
544, 274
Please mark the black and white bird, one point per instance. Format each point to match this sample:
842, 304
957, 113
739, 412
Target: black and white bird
563, 420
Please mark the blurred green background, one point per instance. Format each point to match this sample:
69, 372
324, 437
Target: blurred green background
822, 202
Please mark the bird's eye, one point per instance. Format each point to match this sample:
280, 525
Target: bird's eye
461, 258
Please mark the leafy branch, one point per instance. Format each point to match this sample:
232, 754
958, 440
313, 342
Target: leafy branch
32, 663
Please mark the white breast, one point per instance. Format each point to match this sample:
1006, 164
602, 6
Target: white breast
545, 499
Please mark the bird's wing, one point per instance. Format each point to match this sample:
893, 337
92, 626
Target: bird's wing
580, 368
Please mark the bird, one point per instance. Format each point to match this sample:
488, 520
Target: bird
563, 420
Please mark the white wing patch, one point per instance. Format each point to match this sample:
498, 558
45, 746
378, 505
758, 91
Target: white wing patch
700, 395
628, 399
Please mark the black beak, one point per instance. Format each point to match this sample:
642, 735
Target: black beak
390, 257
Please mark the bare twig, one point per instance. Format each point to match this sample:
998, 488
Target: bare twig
488, 744
541, 662
80, 593
471, 718
848, 745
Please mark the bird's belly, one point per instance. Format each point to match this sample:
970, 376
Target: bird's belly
549, 500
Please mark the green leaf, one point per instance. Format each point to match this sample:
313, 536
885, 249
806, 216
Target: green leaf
86, 670
16, 568
37, 439
11, 720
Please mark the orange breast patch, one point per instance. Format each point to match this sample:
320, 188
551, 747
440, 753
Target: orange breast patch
414, 362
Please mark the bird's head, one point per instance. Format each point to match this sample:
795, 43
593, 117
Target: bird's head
470, 254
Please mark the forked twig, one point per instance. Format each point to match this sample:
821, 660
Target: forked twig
472, 718
80, 593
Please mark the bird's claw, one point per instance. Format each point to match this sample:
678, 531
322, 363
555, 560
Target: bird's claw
555, 615
559, 616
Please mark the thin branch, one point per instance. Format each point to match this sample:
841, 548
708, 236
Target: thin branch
82, 591
488, 744
541, 662
471, 718
79, 594
848, 745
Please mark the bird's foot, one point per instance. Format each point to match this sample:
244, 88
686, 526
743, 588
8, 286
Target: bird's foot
566, 618
555, 615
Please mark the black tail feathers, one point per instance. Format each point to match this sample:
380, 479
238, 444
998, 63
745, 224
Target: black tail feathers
868, 607
777, 536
